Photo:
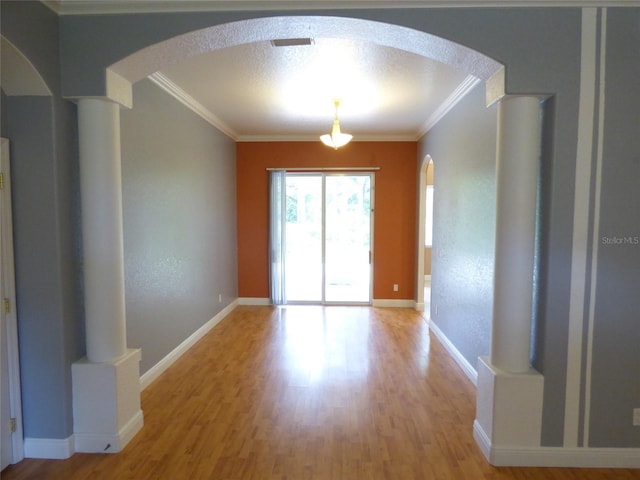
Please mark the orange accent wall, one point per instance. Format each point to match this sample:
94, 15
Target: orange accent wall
394, 234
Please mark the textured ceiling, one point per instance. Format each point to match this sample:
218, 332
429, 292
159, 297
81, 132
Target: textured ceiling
257, 91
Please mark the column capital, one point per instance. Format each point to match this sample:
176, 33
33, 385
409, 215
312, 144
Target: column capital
119, 90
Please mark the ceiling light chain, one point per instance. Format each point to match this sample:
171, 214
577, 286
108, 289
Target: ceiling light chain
336, 138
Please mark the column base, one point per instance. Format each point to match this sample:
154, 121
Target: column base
509, 408
106, 403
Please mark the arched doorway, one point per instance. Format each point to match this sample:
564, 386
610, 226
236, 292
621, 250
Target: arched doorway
19, 78
423, 268
151, 59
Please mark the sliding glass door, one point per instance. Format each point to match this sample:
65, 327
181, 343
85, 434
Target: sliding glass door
303, 238
347, 238
328, 224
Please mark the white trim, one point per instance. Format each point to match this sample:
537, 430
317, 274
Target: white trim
421, 214
556, 456
451, 101
580, 226
393, 303
95, 443
596, 228
159, 368
256, 301
383, 137
188, 101
462, 362
166, 84
49, 448
91, 7
9, 291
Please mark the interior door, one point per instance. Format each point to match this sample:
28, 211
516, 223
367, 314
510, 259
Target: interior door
11, 449
328, 238
6, 448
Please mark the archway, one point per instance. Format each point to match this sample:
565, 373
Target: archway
153, 58
98, 120
19, 78
425, 166
139, 65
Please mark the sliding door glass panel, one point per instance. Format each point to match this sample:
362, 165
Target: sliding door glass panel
348, 238
303, 237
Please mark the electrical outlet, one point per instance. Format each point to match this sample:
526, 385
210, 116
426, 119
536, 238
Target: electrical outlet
219, 298
636, 417
395, 287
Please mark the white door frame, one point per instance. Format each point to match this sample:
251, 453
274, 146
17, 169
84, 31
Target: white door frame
422, 195
7, 282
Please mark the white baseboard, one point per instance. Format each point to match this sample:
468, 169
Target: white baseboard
462, 362
102, 443
556, 456
159, 368
258, 301
419, 307
393, 303
49, 448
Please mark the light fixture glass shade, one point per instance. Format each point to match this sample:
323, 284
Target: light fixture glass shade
336, 138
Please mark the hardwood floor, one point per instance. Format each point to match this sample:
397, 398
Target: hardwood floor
306, 393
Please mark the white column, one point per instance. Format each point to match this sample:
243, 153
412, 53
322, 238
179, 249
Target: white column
101, 196
518, 159
106, 384
510, 392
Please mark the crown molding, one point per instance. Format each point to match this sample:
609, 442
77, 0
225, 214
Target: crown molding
188, 101
191, 103
316, 138
451, 101
107, 7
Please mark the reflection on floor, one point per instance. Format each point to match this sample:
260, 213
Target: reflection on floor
306, 392
427, 297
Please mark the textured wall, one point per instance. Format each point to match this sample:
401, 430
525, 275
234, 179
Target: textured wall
43, 136
178, 180
463, 148
394, 232
540, 48
615, 388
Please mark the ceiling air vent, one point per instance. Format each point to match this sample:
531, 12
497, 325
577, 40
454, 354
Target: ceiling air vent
291, 42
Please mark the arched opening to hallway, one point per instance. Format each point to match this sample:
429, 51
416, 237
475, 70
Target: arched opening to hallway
133, 67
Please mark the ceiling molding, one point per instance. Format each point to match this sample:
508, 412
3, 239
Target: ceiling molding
188, 101
316, 138
105, 7
191, 103
451, 101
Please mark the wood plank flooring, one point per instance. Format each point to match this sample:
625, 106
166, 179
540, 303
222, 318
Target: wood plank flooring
306, 393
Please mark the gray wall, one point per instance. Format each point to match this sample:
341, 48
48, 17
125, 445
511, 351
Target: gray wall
179, 202
615, 388
463, 148
42, 131
541, 50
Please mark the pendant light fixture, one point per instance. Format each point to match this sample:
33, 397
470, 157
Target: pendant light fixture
336, 138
